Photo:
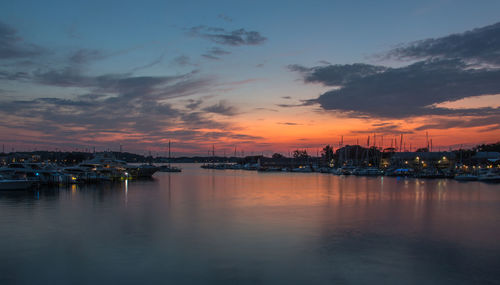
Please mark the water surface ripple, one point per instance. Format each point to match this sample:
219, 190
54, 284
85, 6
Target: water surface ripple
240, 227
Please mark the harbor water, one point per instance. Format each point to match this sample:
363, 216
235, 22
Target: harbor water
204, 226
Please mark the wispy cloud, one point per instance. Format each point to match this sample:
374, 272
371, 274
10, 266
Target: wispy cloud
85, 56
386, 129
221, 36
225, 18
289, 123
222, 108
215, 53
13, 47
136, 110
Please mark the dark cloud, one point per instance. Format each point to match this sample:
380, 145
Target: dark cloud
380, 124
225, 18
132, 109
491, 122
265, 109
336, 75
90, 118
221, 108
13, 47
15, 76
127, 86
451, 68
150, 64
289, 124
182, 60
454, 67
84, 56
232, 38
194, 104
480, 45
387, 128
115, 102
215, 53
209, 56
410, 91
302, 104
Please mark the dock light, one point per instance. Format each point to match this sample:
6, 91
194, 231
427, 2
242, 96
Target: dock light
417, 158
444, 157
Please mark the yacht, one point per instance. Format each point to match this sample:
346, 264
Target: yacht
465, 177
492, 176
14, 183
42, 173
369, 171
107, 165
169, 168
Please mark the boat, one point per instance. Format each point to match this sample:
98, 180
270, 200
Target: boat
369, 171
492, 176
347, 170
7, 184
430, 173
465, 177
107, 165
303, 169
141, 171
269, 169
169, 168
86, 172
42, 173
400, 172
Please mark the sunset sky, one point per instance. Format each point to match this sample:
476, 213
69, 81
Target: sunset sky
261, 76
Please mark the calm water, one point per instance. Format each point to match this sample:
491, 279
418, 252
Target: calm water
238, 227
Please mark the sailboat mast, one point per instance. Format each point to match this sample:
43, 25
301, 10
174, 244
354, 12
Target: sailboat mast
169, 157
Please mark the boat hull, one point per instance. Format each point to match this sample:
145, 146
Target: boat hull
7, 185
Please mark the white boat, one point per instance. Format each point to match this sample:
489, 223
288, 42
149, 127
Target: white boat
492, 176
369, 171
14, 184
346, 170
42, 173
106, 164
169, 168
141, 171
465, 177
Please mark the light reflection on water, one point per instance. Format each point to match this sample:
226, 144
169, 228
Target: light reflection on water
227, 227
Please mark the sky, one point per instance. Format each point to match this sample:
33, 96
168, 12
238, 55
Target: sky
255, 77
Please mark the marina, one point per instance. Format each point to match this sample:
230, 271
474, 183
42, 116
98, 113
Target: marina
104, 167
249, 142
